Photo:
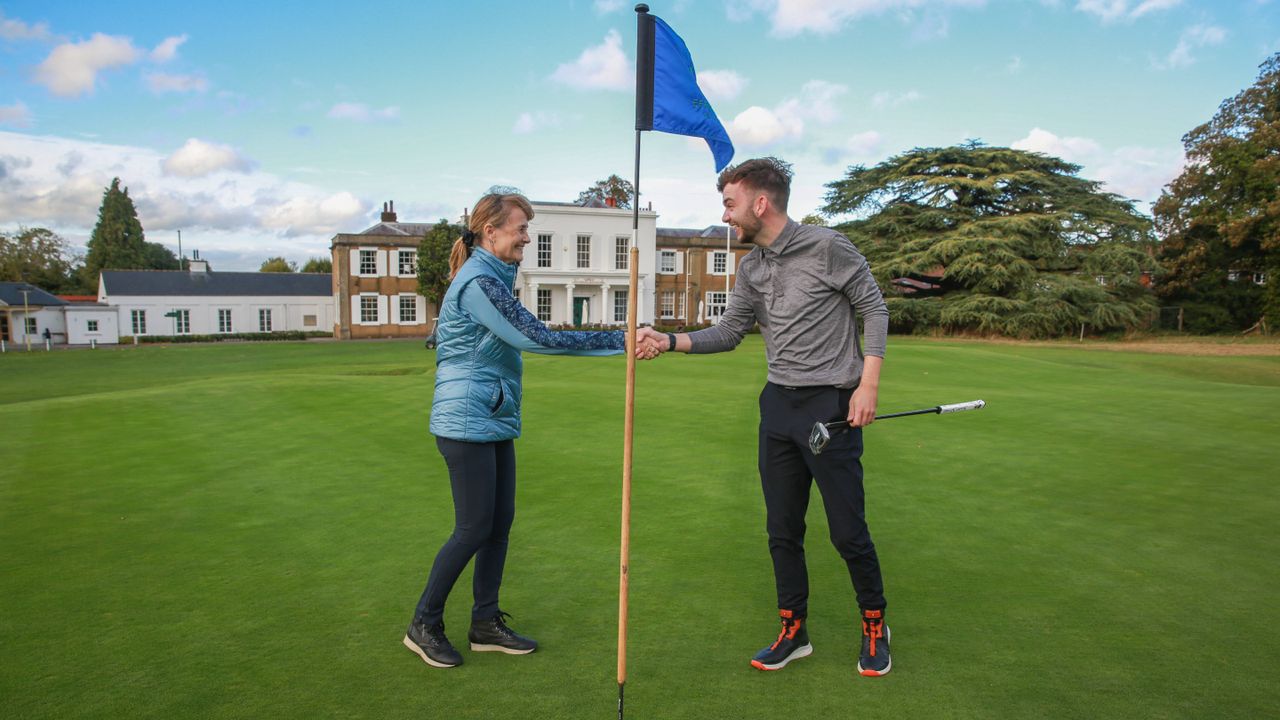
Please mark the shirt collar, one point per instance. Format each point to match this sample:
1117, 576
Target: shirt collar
784, 239
505, 270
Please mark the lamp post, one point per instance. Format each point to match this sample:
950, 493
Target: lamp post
26, 318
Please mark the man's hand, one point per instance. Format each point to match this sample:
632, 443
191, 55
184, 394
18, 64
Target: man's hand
650, 343
862, 405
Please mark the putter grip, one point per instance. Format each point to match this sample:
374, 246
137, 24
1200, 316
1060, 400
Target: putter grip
960, 407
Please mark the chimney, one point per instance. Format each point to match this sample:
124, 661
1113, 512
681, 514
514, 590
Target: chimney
389, 211
611, 202
197, 266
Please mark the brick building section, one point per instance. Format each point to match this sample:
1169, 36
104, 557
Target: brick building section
694, 277
388, 238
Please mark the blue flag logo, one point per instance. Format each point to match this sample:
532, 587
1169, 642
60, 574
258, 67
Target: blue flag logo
679, 107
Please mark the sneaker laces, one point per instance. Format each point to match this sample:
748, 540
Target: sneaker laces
501, 626
789, 629
874, 630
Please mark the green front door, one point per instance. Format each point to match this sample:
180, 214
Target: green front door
580, 310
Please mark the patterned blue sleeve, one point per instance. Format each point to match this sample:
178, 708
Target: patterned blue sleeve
492, 305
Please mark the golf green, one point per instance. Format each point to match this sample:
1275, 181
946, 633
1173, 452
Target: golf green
242, 530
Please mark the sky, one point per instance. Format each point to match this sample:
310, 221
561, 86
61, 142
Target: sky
260, 129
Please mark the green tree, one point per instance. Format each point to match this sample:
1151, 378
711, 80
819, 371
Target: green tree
117, 241
38, 256
318, 265
1018, 243
433, 260
1223, 212
813, 219
621, 191
159, 257
278, 265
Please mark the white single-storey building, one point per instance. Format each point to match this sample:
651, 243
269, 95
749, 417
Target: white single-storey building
29, 314
199, 301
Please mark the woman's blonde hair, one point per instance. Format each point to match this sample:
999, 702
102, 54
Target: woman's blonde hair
492, 209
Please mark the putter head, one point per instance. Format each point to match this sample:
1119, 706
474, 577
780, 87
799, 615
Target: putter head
819, 436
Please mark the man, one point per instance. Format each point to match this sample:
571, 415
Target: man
803, 285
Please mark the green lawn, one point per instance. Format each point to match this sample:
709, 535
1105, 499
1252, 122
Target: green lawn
243, 530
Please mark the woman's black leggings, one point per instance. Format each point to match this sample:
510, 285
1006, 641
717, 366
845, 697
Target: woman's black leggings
483, 477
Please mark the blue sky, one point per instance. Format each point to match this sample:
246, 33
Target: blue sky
260, 129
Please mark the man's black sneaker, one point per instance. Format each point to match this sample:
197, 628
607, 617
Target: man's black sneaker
493, 635
792, 643
874, 659
431, 645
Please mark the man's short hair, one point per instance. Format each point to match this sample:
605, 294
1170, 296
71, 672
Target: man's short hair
768, 175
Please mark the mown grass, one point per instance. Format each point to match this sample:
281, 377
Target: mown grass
242, 531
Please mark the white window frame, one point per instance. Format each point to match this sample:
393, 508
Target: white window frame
264, 320
620, 306
584, 252
719, 262
716, 301
411, 306
668, 304
182, 322
91, 325
368, 301
368, 259
544, 304
544, 250
225, 323
622, 252
31, 327
138, 319
665, 268
680, 306
407, 258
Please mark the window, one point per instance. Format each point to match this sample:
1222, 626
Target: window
544, 305
308, 320
719, 263
369, 309
1260, 278
584, 251
224, 320
667, 261
182, 321
715, 305
31, 326
408, 309
91, 325
680, 305
544, 251
368, 262
620, 306
668, 303
264, 320
139, 318
622, 252
408, 262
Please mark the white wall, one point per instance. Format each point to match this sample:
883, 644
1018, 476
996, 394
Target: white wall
78, 332
287, 313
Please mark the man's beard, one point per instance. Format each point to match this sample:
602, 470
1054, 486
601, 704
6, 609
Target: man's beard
747, 232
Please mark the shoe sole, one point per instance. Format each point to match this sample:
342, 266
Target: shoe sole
477, 647
803, 651
888, 636
422, 654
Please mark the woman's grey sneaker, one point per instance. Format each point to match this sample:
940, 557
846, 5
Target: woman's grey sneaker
874, 659
431, 645
493, 635
792, 644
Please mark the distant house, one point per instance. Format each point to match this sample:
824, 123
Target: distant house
575, 271
696, 270
199, 301
27, 313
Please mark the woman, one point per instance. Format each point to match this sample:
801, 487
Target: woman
475, 416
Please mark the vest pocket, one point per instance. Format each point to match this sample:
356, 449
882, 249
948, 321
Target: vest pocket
500, 400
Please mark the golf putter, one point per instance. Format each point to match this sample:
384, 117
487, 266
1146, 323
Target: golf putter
822, 431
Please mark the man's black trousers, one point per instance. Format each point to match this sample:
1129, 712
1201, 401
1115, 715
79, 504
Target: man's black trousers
788, 469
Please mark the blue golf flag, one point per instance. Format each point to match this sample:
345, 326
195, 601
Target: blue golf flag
668, 98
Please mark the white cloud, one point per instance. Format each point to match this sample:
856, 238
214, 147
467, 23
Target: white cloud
604, 7
600, 67
360, 112
198, 158
167, 50
58, 183
1110, 11
1194, 37
721, 84
1072, 149
16, 115
11, 29
164, 82
862, 147
72, 68
825, 17
884, 99
529, 122
1133, 172
758, 127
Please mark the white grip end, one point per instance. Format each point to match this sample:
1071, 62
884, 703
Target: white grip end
960, 407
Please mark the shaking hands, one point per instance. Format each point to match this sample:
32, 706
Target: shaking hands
650, 343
